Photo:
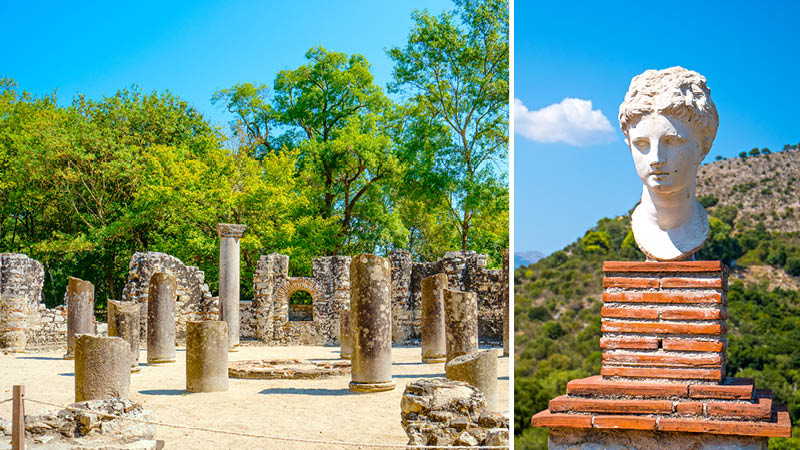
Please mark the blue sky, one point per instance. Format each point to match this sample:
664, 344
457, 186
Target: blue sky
587, 50
189, 48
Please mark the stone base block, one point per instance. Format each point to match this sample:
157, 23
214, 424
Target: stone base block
372, 387
593, 439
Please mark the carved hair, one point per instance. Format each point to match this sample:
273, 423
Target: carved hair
675, 92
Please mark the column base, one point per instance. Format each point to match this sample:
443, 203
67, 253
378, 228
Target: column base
434, 359
593, 439
345, 356
372, 387
161, 361
68, 356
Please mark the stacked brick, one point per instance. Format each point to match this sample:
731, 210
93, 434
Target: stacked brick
663, 366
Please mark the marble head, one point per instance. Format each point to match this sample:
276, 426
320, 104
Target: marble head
669, 122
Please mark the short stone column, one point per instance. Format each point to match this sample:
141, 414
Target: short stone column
80, 311
461, 322
345, 333
161, 319
123, 322
13, 315
102, 367
434, 339
229, 255
371, 319
478, 369
207, 356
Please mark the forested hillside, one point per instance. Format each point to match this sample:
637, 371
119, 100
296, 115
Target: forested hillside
318, 160
557, 299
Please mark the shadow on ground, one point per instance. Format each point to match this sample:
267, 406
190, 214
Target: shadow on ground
163, 392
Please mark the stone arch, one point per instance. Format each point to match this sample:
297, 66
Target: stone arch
295, 284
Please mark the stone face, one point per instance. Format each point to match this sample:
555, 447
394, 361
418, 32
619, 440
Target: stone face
123, 322
80, 311
461, 319
102, 367
434, 338
478, 369
13, 318
207, 356
438, 411
669, 122
580, 439
287, 369
161, 319
371, 319
229, 262
345, 334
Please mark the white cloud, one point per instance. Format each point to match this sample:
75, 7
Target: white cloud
573, 121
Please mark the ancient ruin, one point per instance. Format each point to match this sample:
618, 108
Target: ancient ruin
102, 367
434, 337
478, 369
461, 322
229, 261
80, 311
370, 317
345, 334
207, 348
288, 369
13, 321
123, 322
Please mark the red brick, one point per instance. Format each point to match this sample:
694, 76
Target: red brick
631, 283
781, 428
625, 422
663, 328
629, 343
658, 266
662, 297
570, 404
629, 313
725, 391
675, 374
689, 408
694, 283
548, 419
596, 386
661, 360
692, 314
760, 410
686, 345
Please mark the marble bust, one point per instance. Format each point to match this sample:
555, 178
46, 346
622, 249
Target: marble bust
669, 122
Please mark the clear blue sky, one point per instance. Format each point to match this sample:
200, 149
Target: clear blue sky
189, 48
748, 52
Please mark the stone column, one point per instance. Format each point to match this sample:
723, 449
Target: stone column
161, 319
434, 340
80, 311
229, 235
371, 320
102, 367
123, 322
478, 369
461, 322
13, 315
506, 302
207, 356
345, 333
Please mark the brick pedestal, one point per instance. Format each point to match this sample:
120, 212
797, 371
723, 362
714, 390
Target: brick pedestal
663, 367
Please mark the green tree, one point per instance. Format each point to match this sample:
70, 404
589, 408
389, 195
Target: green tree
455, 68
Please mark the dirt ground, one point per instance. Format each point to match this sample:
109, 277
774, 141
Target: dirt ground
322, 409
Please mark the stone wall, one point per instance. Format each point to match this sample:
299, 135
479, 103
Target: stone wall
21, 276
329, 287
194, 301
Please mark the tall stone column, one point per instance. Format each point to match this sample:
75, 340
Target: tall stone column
371, 319
13, 314
161, 319
207, 356
80, 312
123, 322
345, 334
434, 339
102, 367
229, 255
478, 369
461, 321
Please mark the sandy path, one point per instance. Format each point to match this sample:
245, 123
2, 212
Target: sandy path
313, 409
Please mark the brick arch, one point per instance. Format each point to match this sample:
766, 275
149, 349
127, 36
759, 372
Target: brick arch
294, 284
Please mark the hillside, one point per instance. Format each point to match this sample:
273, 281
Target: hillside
557, 299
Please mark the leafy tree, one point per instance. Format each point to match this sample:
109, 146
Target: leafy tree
253, 116
755, 152
455, 69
